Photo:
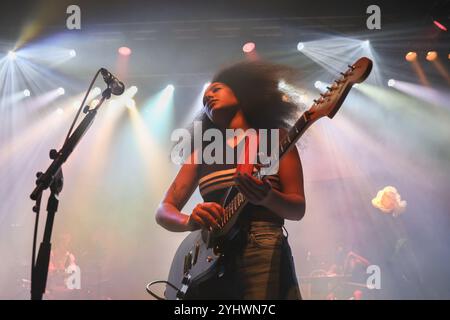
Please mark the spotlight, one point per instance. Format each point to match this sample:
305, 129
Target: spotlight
432, 55
282, 85
96, 91
248, 47
124, 51
12, 55
366, 43
130, 103
300, 46
133, 90
439, 25
317, 84
391, 83
72, 53
59, 111
170, 87
411, 56
26, 93
438, 14
60, 91
94, 103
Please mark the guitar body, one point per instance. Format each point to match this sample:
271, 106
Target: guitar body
200, 261
202, 268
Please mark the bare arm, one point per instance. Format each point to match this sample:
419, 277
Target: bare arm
290, 202
169, 214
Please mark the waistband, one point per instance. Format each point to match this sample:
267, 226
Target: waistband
265, 216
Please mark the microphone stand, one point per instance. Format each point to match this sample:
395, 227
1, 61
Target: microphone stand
53, 179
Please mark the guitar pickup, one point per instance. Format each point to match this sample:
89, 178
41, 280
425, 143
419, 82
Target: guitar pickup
187, 262
197, 250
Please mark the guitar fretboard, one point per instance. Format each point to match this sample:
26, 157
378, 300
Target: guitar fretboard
286, 144
235, 204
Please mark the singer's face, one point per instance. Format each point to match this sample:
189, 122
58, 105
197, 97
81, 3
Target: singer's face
219, 101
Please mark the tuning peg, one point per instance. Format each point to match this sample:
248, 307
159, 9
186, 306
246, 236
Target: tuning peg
351, 67
330, 88
343, 74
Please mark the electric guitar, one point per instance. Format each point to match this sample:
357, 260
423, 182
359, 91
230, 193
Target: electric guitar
198, 258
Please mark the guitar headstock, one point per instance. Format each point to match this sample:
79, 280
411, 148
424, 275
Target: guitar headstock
331, 100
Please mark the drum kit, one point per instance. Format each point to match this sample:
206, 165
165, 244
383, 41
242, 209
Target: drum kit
328, 281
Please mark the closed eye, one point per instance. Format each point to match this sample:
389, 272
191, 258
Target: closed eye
214, 89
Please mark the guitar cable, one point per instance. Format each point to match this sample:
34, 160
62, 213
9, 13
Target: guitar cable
156, 282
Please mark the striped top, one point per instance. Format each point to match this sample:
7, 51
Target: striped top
222, 178
216, 178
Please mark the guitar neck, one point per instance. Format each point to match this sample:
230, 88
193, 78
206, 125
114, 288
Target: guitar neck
327, 105
286, 144
294, 134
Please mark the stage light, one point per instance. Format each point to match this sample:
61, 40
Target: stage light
411, 56
94, 103
124, 51
72, 53
248, 47
366, 43
61, 91
26, 93
96, 91
431, 55
300, 46
170, 87
439, 25
133, 90
12, 55
317, 84
59, 111
391, 83
130, 103
438, 14
388, 201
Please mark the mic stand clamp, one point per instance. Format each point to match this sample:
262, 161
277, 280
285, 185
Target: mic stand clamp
40, 269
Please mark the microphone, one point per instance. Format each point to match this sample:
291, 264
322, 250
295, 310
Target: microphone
117, 87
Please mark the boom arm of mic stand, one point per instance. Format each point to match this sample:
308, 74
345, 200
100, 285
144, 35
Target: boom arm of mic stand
45, 179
